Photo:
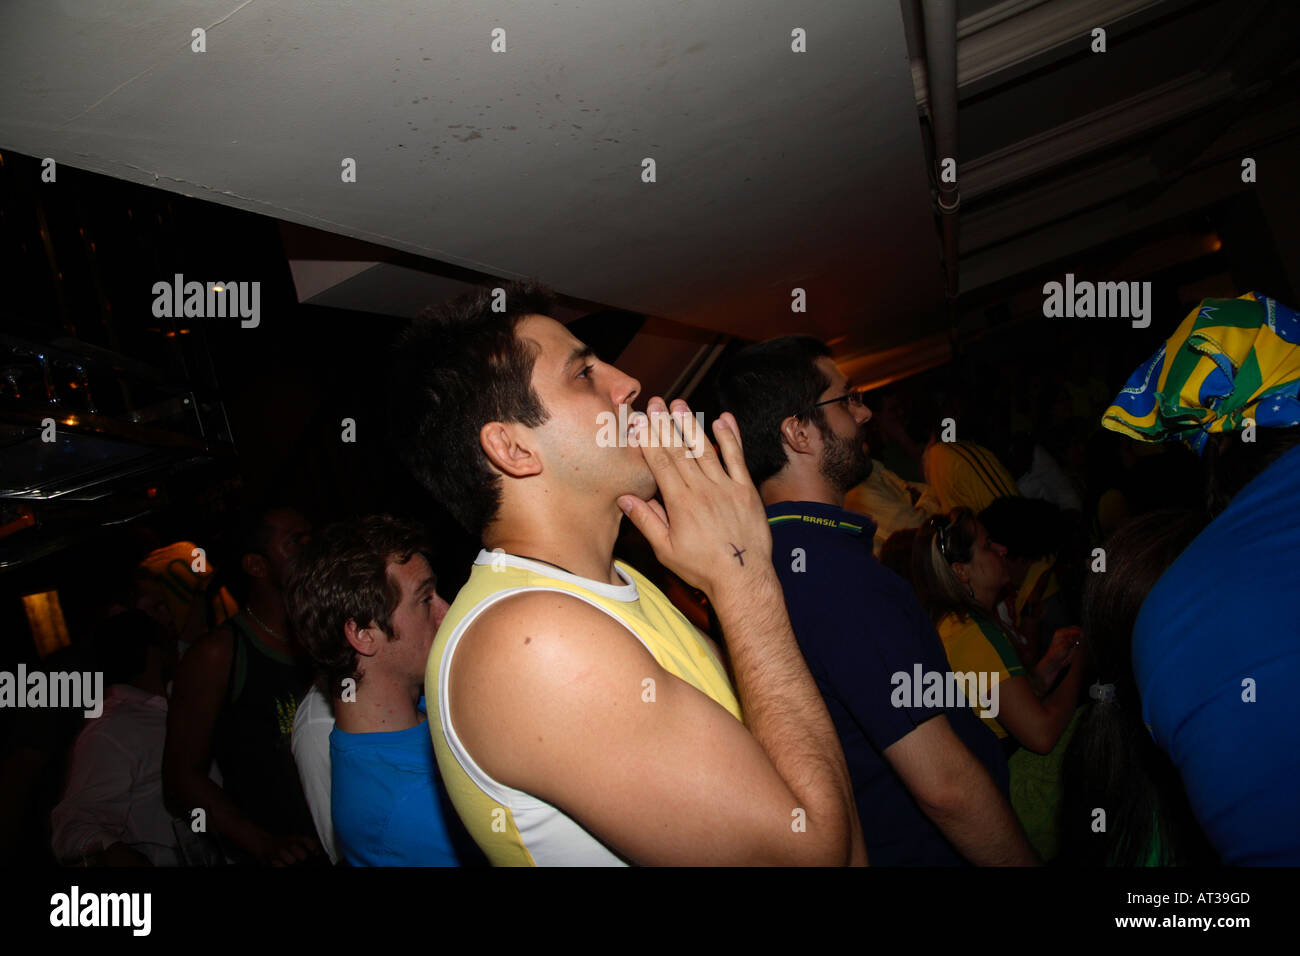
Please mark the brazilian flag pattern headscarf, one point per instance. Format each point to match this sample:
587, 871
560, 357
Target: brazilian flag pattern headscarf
1230, 360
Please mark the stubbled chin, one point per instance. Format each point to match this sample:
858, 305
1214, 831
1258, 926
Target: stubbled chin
649, 487
643, 485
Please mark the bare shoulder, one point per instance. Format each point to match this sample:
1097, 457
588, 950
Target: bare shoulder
215, 645
541, 664
556, 698
544, 611
202, 679
208, 659
532, 640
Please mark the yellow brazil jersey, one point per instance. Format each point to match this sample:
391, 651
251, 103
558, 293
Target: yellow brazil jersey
966, 475
512, 827
980, 646
1039, 585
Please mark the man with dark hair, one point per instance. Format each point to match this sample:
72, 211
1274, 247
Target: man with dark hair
1030, 531
585, 721
483, 375
234, 700
364, 603
929, 781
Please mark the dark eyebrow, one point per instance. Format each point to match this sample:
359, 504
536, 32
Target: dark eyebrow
579, 353
428, 584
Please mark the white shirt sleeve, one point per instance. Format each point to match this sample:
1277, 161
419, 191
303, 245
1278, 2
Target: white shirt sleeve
93, 813
312, 725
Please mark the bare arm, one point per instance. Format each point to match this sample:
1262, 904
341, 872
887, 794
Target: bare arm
1043, 673
956, 792
712, 532
1038, 723
548, 695
200, 687
710, 519
784, 709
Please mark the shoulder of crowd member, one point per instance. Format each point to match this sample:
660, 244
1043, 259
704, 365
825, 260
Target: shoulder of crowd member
208, 659
201, 680
560, 711
847, 556
843, 545
876, 586
543, 639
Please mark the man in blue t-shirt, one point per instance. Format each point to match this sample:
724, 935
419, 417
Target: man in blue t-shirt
385, 797
929, 779
363, 601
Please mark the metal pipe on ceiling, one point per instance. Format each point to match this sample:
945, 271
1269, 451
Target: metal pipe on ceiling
940, 18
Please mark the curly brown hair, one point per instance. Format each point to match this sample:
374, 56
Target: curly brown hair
341, 574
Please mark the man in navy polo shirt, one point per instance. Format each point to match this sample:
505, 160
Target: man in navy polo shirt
930, 781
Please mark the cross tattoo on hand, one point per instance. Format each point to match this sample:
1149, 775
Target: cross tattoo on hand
737, 552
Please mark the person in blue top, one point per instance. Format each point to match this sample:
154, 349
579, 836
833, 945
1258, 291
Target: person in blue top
1216, 647
364, 603
930, 781
1216, 653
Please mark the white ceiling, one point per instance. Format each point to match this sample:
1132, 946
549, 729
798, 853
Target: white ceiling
775, 169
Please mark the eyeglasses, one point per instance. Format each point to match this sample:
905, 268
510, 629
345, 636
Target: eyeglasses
854, 399
941, 525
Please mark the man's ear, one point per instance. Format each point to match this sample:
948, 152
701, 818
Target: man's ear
364, 640
507, 453
799, 436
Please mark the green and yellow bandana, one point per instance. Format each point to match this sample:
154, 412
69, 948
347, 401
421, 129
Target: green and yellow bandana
1230, 360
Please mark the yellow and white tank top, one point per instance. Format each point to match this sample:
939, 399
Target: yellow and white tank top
514, 828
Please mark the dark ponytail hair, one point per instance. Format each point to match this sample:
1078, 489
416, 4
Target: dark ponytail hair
1112, 763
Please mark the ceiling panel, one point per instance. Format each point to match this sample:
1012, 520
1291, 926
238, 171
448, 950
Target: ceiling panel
774, 169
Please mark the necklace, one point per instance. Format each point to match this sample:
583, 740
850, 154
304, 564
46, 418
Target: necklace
263, 625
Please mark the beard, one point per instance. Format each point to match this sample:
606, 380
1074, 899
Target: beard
844, 461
